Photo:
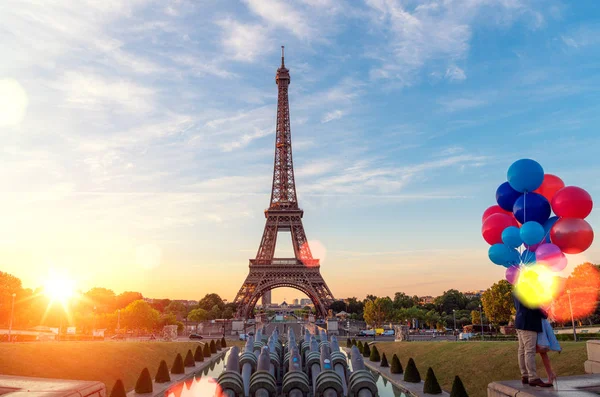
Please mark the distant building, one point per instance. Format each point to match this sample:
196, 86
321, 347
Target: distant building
426, 299
296, 302
305, 302
266, 298
473, 294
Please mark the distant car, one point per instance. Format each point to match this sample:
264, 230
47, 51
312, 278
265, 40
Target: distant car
118, 337
196, 336
388, 332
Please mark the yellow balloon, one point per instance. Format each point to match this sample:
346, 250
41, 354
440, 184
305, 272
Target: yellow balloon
536, 286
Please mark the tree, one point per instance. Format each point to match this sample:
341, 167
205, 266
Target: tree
584, 287
197, 315
209, 301
458, 389
431, 385
178, 367
198, 355
498, 302
144, 382
160, 304
177, 308
189, 359
206, 350
162, 375
227, 313
223, 342
396, 367
403, 301
475, 317
9, 285
411, 373
374, 356
450, 300
338, 306
125, 298
139, 314
377, 311
366, 352
384, 361
102, 298
118, 389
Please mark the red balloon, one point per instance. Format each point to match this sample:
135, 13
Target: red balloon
572, 202
572, 235
494, 225
550, 186
494, 209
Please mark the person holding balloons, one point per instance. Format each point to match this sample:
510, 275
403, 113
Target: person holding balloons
531, 242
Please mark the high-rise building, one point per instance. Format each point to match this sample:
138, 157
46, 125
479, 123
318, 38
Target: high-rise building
305, 302
296, 302
266, 299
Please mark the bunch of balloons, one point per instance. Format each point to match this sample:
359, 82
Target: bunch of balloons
524, 234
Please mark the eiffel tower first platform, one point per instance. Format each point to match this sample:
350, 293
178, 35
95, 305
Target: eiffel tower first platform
266, 272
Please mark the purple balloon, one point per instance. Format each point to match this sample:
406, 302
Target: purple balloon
512, 273
533, 247
552, 256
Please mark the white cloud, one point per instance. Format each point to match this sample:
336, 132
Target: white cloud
583, 36
283, 15
458, 104
244, 42
330, 116
453, 73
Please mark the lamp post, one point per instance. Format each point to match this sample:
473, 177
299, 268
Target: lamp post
481, 320
94, 324
118, 320
572, 319
12, 311
454, 318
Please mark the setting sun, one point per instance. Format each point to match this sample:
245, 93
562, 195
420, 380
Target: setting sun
59, 288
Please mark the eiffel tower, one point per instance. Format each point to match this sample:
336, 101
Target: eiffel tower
266, 272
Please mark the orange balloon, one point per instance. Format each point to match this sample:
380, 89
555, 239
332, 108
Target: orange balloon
550, 186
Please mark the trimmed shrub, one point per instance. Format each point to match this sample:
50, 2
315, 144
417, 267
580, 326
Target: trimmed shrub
396, 365
366, 350
353, 342
144, 382
118, 389
213, 346
360, 346
206, 351
384, 362
223, 342
178, 367
411, 373
189, 359
431, 385
458, 389
348, 343
162, 375
374, 356
198, 356
218, 344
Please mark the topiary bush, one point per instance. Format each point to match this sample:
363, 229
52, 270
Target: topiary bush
218, 344
374, 356
189, 359
360, 346
458, 389
348, 343
162, 375
144, 382
178, 367
396, 365
384, 362
411, 373
213, 346
118, 389
353, 342
198, 356
206, 351
431, 385
223, 342
366, 350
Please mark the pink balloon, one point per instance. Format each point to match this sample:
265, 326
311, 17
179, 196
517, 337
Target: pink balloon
532, 248
552, 256
512, 273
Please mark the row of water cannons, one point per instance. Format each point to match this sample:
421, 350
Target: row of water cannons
309, 367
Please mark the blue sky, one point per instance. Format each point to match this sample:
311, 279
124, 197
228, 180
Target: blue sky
138, 137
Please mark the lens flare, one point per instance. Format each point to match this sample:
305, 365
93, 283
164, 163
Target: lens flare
537, 286
203, 387
59, 287
579, 296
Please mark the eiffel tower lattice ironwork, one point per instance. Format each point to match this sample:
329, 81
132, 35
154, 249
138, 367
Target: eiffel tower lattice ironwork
266, 272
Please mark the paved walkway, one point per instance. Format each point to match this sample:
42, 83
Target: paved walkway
571, 386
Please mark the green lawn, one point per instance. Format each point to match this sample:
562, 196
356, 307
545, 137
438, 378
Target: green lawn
479, 363
101, 361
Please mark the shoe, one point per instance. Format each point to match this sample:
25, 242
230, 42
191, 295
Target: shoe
524, 380
540, 383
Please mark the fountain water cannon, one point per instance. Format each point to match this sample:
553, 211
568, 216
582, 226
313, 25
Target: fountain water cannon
230, 380
262, 382
295, 382
362, 383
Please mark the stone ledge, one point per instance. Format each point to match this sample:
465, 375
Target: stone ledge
571, 386
160, 389
414, 389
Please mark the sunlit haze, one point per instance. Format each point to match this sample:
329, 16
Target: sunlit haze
138, 137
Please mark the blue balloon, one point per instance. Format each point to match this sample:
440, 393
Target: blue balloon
503, 255
506, 196
547, 226
527, 257
532, 207
532, 233
511, 236
525, 175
